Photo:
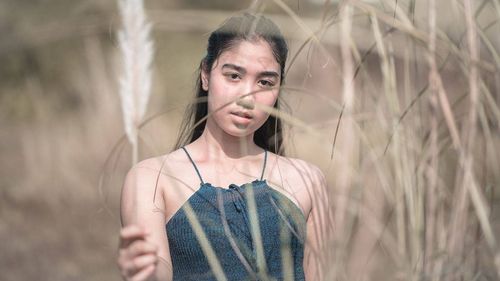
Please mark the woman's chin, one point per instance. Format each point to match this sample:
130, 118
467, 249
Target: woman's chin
240, 130
241, 126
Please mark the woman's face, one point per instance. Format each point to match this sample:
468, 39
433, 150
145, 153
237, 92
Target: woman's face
247, 67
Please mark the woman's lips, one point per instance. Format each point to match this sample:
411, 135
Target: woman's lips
242, 117
243, 114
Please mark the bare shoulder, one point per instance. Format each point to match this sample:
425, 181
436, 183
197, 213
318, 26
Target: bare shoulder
161, 168
298, 171
148, 181
140, 188
157, 163
142, 174
298, 178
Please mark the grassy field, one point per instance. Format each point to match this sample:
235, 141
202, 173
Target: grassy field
412, 168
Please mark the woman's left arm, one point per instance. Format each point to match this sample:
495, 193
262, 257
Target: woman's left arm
319, 226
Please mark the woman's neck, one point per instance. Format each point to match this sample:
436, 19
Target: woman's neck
217, 144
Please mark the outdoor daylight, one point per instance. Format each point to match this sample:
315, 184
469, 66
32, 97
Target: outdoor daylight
332, 140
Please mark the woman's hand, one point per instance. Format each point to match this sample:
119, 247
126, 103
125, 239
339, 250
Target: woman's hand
137, 258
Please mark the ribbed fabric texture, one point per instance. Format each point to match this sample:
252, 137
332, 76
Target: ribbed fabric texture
282, 228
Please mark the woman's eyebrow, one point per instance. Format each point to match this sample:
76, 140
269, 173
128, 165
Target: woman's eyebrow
242, 70
269, 73
235, 67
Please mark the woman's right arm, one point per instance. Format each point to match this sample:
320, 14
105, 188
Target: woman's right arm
143, 252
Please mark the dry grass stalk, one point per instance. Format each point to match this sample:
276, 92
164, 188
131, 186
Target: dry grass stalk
135, 82
312, 35
470, 182
432, 169
205, 244
461, 218
347, 137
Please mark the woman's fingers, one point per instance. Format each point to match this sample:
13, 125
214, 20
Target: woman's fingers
136, 249
144, 274
139, 264
137, 257
140, 247
131, 233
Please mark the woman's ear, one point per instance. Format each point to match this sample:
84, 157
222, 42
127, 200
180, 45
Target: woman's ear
204, 78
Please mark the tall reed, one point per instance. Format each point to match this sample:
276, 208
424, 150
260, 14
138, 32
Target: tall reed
438, 215
136, 49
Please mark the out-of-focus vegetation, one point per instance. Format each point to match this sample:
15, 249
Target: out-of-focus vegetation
405, 198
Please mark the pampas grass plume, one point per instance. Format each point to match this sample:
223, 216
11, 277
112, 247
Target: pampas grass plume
135, 80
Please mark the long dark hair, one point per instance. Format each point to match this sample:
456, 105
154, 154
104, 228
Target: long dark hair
234, 30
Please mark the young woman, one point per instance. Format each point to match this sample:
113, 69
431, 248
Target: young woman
227, 203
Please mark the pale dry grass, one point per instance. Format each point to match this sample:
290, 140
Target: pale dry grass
419, 140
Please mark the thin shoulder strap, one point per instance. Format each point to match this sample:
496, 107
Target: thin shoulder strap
264, 166
194, 165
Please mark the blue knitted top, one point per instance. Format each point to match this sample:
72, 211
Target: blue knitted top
265, 242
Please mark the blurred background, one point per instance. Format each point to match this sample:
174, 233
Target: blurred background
402, 198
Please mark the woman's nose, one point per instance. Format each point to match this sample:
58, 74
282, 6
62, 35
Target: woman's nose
248, 92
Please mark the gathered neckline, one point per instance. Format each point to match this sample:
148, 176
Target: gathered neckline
233, 185
255, 183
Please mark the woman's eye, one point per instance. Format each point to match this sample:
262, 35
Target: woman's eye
233, 76
266, 83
